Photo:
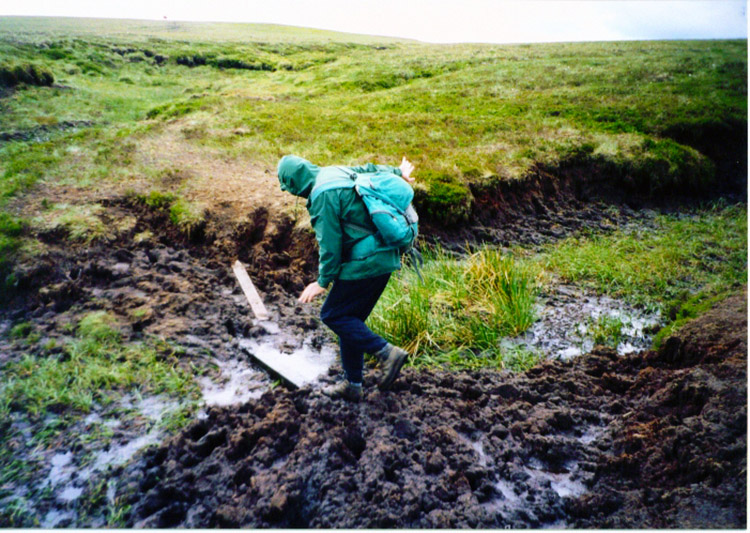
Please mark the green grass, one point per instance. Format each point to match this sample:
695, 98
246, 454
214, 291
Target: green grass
11, 229
468, 115
465, 309
158, 200
605, 330
16, 514
707, 251
81, 222
459, 314
682, 268
154, 33
96, 367
189, 217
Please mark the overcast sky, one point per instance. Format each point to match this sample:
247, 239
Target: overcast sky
439, 21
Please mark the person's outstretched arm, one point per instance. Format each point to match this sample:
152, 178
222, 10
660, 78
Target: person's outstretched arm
324, 216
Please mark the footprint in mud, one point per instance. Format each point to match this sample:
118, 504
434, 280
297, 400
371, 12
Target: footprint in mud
442, 449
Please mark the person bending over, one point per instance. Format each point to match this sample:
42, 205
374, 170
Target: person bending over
348, 258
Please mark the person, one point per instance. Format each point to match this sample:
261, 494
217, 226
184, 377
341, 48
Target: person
358, 269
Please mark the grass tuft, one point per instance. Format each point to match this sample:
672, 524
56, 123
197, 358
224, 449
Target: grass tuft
157, 199
605, 330
82, 223
12, 75
100, 327
189, 217
11, 229
21, 330
460, 313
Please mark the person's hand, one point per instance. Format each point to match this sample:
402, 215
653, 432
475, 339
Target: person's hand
406, 170
311, 292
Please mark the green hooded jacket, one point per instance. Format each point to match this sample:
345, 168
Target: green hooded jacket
339, 217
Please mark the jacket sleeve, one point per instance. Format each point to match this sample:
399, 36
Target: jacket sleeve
370, 167
325, 220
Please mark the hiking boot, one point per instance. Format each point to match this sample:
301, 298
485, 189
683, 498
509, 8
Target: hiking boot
393, 359
344, 389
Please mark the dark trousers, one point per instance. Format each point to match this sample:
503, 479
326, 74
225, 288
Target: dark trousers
345, 310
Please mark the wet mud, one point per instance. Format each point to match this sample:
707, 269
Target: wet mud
158, 284
655, 439
567, 318
161, 282
652, 440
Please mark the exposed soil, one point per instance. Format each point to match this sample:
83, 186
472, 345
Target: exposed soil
167, 285
652, 440
656, 439
41, 132
552, 203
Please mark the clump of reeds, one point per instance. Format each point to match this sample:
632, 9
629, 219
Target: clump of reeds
461, 311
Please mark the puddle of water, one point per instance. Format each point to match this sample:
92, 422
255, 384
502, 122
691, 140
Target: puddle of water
55, 517
557, 524
511, 497
242, 383
271, 327
68, 479
562, 483
61, 471
117, 455
278, 464
590, 434
508, 502
93, 418
299, 364
69, 494
156, 407
563, 318
111, 491
506, 489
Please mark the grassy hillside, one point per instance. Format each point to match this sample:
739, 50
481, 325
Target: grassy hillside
138, 160
643, 114
37, 29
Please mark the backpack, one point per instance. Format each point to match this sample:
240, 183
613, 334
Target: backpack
388, 200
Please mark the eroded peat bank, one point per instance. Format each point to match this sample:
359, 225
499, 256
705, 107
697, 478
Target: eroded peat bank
578, 344
604, 439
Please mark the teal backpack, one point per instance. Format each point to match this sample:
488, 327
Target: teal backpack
388, 200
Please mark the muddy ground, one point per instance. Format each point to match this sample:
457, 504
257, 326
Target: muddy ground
654, 440
646, 440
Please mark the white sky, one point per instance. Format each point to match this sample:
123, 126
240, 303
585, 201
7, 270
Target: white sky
440, 21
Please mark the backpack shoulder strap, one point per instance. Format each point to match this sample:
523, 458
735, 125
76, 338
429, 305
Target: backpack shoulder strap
334, 182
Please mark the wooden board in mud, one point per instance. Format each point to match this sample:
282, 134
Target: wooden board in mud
299, 368
251, 293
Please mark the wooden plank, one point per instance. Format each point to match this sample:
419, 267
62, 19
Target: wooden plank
304, 365
251, 293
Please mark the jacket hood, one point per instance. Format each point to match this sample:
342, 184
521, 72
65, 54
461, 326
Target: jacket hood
297, 175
